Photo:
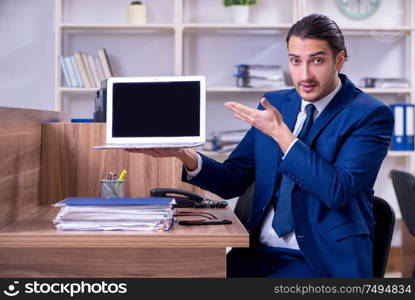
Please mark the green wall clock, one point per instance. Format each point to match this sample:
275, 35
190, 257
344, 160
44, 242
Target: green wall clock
358, 9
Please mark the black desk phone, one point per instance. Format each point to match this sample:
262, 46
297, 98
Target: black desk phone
187, 199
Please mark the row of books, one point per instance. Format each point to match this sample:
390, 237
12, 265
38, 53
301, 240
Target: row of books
85, 70
403, 134
107, 214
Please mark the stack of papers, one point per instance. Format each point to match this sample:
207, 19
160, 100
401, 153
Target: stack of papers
135, 214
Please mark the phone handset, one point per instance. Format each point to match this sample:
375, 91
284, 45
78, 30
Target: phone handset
187, 199
183, 198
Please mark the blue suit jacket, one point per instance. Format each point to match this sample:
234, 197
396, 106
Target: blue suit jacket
334, 176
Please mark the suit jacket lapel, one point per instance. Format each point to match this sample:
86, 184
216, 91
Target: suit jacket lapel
343, 96
290, 109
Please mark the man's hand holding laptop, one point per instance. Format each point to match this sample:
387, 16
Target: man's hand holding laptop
186, 155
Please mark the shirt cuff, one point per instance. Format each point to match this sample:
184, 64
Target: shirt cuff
191, 174
289, 148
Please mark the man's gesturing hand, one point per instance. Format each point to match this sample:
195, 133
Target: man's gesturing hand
269, 121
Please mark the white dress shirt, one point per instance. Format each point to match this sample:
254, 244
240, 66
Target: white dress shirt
268, 236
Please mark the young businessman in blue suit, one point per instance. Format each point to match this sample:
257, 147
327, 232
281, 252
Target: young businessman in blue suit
314, 153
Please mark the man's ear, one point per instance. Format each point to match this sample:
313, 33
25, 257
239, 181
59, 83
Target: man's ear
340, 59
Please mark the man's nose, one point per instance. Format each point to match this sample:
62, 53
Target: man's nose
305, 72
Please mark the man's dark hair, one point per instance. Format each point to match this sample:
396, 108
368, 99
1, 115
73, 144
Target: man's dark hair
319, 27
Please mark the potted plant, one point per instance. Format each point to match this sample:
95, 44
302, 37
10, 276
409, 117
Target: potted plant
239, 10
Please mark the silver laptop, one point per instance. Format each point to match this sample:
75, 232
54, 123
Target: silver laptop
155, 112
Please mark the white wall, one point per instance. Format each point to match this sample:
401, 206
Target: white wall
26, 53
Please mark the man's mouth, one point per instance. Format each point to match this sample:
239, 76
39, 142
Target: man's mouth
308, 87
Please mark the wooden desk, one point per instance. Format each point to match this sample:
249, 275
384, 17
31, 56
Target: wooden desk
33, 248
42, 163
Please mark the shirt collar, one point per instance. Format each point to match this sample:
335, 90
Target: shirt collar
323, 102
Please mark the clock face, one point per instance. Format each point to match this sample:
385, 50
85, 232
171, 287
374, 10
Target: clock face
358, 9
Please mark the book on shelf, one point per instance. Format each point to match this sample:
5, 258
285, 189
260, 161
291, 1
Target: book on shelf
81, 68
100, 72
65, 72
87, 69
103, 57
71, 71
108, 214
76, 70
93, 70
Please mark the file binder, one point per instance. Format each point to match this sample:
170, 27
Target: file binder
93, 201
398, 137
409, 127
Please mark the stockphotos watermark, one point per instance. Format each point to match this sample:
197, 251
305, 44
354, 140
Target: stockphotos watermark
35, 288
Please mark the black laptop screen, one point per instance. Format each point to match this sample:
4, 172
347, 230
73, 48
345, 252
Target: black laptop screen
156, 109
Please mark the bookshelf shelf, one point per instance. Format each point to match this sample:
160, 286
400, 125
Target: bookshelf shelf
345, 29
401, 154
69, 26
387, 90
77, 90
208, 26
368, 29
230, 89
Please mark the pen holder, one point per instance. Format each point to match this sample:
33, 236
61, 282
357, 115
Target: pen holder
112, 188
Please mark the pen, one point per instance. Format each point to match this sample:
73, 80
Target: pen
110, 175
123, 175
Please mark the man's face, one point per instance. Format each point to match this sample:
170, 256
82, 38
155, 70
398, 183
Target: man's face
313, 68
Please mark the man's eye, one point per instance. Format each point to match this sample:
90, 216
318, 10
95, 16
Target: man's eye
294, 61
318, 60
